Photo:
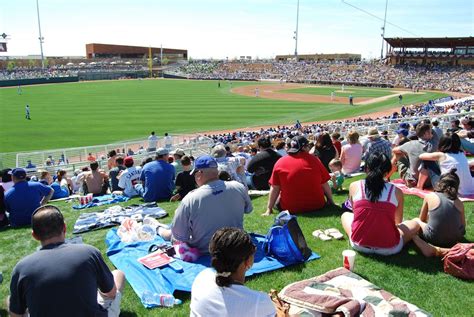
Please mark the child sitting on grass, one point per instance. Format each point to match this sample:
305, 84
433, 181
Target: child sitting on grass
337, 178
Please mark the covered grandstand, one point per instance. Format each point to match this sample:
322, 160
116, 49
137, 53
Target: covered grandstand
97, 50
449, 51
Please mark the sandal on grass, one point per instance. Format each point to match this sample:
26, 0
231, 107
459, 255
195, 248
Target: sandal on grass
334, 233
321, 235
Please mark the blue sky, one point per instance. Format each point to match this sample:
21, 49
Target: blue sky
224, 28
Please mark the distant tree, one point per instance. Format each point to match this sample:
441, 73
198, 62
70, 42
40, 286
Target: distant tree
31, 63
165, 61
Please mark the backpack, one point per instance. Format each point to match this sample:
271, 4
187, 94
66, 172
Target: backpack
285, 240
459, 261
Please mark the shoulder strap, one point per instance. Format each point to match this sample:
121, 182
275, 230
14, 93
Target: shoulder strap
362, 189
390, 192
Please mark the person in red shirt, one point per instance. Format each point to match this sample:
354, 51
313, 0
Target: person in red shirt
299, 180
337, 144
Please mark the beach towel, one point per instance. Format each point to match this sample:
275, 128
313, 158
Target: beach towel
114, 215
102, 200
341, 291
421, 192
167, 280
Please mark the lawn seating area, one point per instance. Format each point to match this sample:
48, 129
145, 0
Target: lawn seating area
408, 275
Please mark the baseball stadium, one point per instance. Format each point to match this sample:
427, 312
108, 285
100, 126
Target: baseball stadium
139, 181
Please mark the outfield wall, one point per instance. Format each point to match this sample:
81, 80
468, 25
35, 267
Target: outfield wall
37, 81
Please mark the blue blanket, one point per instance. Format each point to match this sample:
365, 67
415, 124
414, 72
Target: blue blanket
166, 280
103, 200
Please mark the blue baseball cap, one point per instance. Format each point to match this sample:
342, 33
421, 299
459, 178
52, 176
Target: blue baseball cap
404, 125
402, 131
204, 162
19, 173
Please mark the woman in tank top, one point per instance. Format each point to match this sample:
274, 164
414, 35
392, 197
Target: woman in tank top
376, 226
442, 219
451, 156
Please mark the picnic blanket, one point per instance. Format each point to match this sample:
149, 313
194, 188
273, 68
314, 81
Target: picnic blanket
421, 192
114, 215
166, 280
341, 291
102, 200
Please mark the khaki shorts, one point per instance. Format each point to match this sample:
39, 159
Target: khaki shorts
112, 305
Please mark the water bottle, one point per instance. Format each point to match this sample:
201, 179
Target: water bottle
168, 300
164, 300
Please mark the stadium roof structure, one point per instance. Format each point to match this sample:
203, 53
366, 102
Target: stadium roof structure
431, 42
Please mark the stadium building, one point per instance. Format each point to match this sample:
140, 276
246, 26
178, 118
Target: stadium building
321, 57
96, 50
449, 51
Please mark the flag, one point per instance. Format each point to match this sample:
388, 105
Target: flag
3, 47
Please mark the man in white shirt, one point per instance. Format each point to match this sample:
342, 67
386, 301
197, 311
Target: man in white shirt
168, 141
129, 177
152, 142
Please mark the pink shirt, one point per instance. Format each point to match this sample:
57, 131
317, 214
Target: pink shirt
351, 155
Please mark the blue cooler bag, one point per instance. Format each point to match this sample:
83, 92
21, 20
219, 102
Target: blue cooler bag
285, 240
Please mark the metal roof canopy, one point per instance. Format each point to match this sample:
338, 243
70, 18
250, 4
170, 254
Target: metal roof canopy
430, 42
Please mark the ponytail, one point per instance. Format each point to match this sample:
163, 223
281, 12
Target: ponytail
448, 184
377, 166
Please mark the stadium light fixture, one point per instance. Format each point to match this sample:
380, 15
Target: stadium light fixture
383, 29
41, 38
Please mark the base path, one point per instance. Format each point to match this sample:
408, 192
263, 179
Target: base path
275, 92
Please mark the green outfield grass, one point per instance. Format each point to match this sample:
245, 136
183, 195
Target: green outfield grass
354, 91
407, 275
93, 113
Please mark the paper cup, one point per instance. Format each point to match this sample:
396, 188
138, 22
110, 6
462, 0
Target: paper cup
89, 197
348, 259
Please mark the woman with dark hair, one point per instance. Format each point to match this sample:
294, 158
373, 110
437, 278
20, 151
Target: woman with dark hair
450, 156
111, 160
442, 218
324, 149
376, 226
221, 291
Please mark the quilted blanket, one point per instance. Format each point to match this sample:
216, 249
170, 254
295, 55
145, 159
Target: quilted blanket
341, 291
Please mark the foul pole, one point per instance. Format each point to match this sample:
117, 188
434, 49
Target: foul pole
150, 62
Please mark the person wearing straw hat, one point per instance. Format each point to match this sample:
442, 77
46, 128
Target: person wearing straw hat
376, 144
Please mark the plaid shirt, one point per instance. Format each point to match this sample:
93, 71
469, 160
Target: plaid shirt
379, 145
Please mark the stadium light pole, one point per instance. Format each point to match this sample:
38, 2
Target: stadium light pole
383, 29
296, 32
40, 37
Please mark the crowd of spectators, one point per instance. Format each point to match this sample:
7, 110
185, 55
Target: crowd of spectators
435, 77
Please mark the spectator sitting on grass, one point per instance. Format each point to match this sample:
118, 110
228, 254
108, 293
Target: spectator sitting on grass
184, 180
375, 226
24, 197
129, 178
233, 165
114, 172
63, 279
442, 219
221, 291
157, 178
324, 149
213, 205
261, 165
96, 181
337, 178
177, 156
351, 154
111, 160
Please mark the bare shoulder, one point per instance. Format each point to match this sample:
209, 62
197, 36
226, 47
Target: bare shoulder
459, 204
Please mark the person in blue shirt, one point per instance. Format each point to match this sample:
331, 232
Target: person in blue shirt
157, 178
24, 197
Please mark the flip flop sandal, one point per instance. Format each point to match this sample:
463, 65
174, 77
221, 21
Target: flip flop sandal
334, 233
321, 235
